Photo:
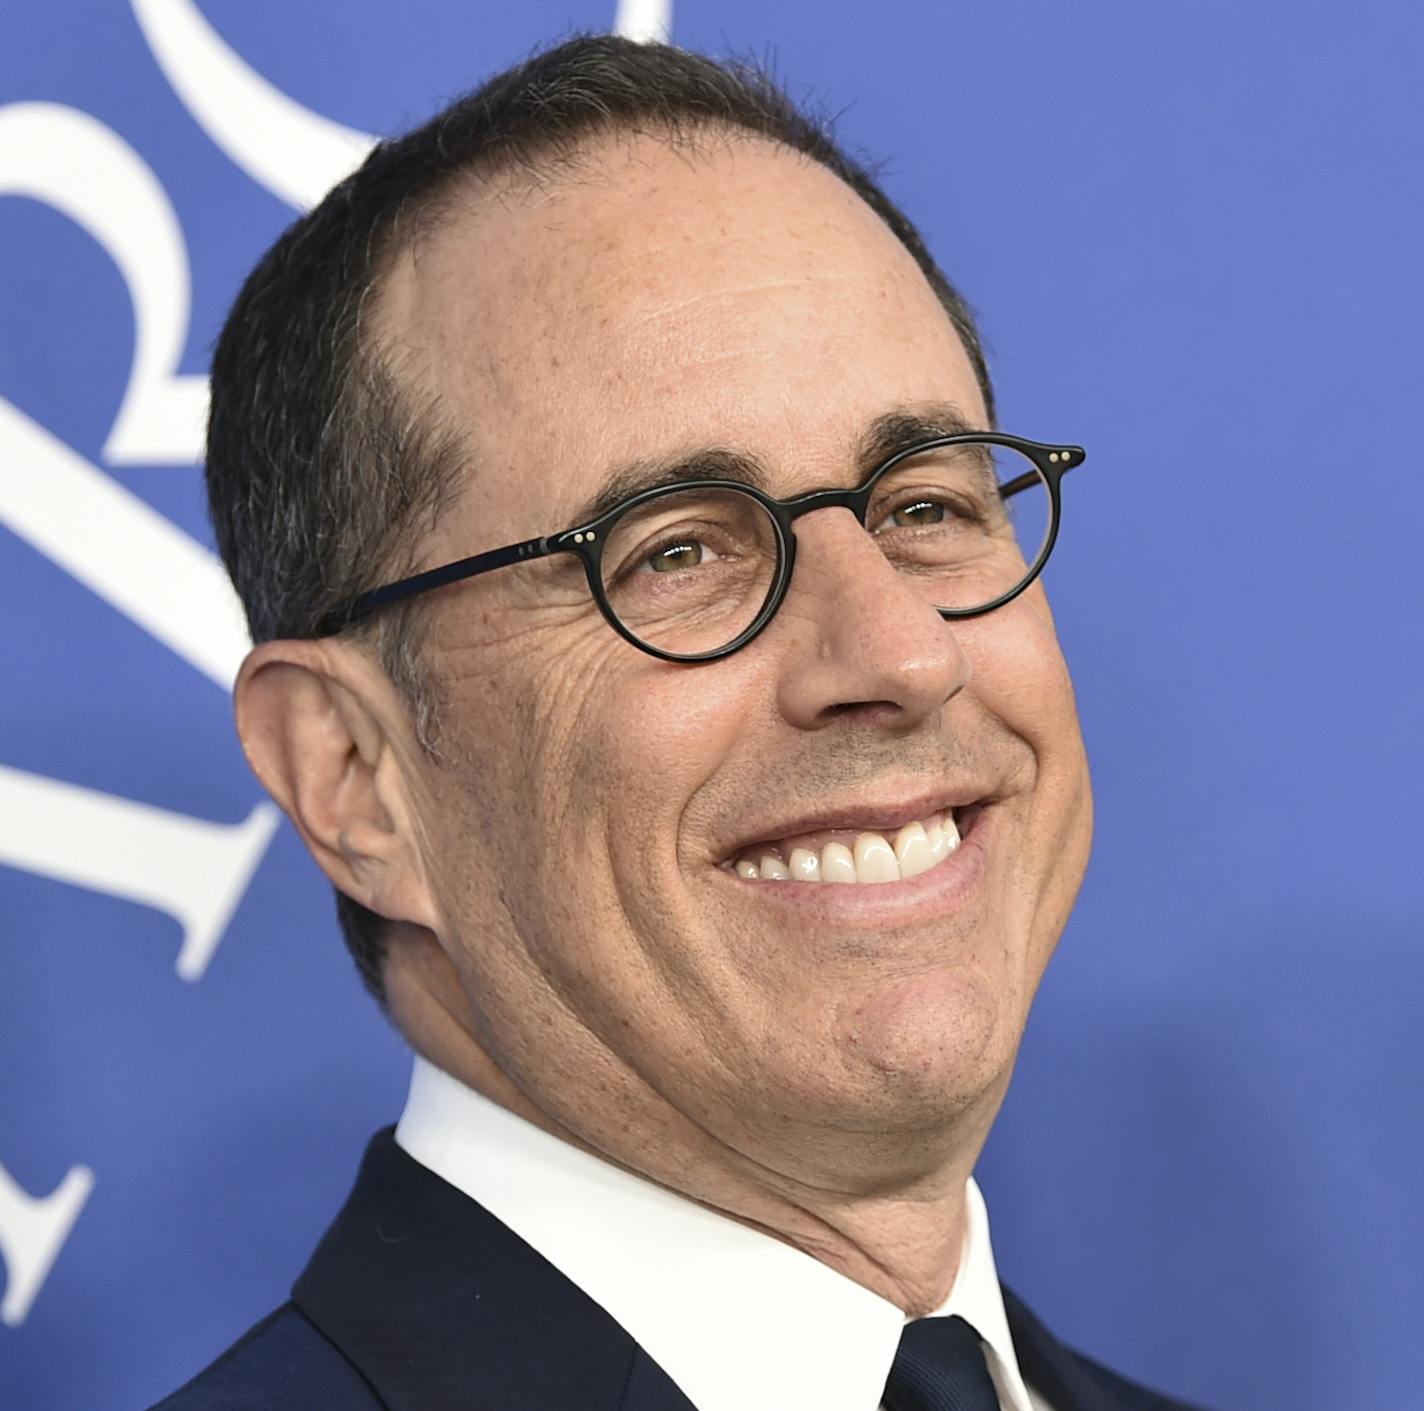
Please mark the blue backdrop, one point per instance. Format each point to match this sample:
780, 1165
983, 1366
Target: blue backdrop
1193, 234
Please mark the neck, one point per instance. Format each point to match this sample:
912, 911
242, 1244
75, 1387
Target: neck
898, 1235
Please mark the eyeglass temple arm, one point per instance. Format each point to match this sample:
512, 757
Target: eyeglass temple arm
433, 578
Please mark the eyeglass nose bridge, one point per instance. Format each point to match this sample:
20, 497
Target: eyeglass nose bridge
786, 513
856, 501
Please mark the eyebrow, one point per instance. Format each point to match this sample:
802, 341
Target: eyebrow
711, 463
891, 432
898, 430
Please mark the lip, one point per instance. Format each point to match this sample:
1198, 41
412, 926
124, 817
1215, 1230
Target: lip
864, 816
948, 887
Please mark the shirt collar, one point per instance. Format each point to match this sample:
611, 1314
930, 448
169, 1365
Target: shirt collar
735, 1317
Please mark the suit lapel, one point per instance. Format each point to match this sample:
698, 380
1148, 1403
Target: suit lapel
442, 1308
1070, 1381
1046, 1364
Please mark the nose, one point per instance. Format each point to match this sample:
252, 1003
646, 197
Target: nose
856, 636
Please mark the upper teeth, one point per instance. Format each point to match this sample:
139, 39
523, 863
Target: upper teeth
871, 857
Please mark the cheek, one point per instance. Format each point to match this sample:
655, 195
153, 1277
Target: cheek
508, 802
1019, 675
1031, 690
575, 761
575, 784
1019, 667
657, 734
622, 741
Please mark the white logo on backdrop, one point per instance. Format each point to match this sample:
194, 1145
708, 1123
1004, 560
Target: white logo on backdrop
110, 540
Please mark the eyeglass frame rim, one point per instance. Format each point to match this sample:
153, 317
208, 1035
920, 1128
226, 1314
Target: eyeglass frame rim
586, 541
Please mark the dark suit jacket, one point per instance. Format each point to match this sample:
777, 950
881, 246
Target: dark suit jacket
418, 1299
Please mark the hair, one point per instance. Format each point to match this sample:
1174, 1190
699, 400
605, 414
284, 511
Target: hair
324, 472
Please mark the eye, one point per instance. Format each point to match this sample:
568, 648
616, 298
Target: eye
921, 512
682, 553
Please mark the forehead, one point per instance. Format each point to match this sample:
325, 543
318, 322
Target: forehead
660, 299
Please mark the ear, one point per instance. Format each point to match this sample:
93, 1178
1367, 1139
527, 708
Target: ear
322, 729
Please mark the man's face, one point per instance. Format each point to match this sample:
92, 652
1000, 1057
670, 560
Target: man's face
581, 828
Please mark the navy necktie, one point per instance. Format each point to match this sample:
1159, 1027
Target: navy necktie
940, 1367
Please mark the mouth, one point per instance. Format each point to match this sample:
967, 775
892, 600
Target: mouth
859, 856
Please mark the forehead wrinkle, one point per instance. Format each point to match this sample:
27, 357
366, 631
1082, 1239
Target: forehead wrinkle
658, 269
732, 293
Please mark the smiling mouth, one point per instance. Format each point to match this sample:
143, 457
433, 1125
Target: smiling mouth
845, 856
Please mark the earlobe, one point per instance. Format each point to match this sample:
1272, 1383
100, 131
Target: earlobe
321, 747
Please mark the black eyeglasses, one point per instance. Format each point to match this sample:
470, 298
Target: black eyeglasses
694, 570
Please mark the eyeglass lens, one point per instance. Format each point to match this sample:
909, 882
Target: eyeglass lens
689, 571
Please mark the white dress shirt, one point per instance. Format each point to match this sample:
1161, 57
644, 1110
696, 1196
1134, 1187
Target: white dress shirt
738, 1319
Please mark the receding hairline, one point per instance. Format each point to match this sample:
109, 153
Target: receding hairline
548, 167
549, 171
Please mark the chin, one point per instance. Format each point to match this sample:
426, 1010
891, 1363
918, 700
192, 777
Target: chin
927, 1049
